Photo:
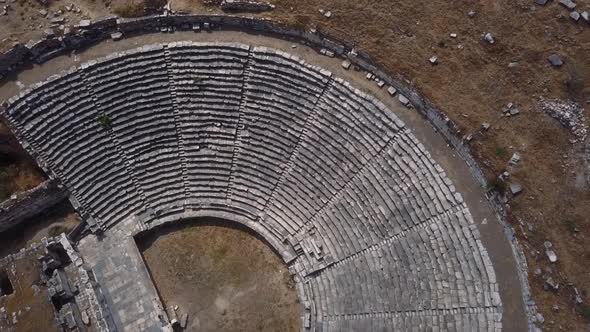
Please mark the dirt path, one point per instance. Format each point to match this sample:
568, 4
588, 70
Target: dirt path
224, 278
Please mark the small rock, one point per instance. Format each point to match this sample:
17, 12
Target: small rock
513, 64
380, 83
577, 296
540, 318
433, 60
575, 16
84, 23
43, 12
485, 126
551, 255
514, 159
85, 318
550, 284
346, 64
555, 307
515, 189
58, 20
555, 60
538, 272
488, 37
392, 91
49, 33
586, 16
328, 14
541, 2
471, 13
453, 35
569, 4
370, 76
117, 36
514, 112
293, 45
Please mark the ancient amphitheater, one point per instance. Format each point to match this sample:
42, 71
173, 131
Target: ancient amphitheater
374, 231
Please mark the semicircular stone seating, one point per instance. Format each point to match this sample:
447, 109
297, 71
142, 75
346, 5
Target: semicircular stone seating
381, 239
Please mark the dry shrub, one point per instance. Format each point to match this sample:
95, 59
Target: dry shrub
577, 80
137, 8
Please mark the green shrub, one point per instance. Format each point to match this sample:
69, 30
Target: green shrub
501, 152
105, 121
497, 185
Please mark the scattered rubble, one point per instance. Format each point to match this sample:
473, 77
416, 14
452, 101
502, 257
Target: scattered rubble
575, 16
569, 114
510, 110
550, 284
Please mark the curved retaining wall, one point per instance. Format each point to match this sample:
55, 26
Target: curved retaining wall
86, 35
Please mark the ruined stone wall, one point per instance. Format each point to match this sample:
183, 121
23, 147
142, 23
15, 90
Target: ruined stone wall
30, 203
92, 32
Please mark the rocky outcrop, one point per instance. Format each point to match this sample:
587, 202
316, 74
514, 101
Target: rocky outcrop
30, 203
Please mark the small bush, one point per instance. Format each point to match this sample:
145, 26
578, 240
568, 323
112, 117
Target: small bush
571, 225
497, 185
501, 152
584, 311
104, 121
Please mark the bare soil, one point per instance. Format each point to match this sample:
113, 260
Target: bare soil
224, 278
471, 84
30, 300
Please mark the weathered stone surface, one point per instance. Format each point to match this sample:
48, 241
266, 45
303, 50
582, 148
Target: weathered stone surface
575, 16
555, 60
569, 4
515, 189
403, 100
